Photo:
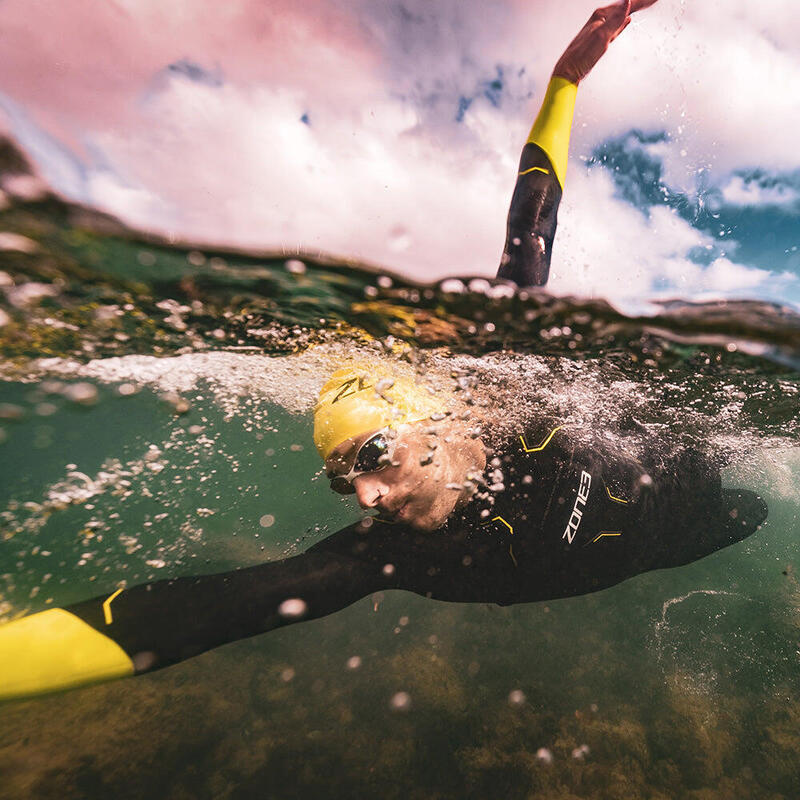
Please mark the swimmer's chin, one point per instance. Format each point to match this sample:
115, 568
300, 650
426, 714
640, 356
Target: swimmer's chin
426, 524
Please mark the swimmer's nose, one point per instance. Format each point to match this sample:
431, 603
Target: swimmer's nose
370, 490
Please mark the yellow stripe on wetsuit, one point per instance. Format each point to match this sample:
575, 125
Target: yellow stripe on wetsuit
55, 650
552, 127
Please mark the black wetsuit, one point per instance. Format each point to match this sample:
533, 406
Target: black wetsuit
532, 220
562, 519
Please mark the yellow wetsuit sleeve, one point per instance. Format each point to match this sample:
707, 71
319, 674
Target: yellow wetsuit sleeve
55, 650
552, 127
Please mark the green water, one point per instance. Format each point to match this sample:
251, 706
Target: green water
152, 443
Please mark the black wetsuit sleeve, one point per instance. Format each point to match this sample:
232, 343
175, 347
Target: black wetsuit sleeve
532, 219
161, 623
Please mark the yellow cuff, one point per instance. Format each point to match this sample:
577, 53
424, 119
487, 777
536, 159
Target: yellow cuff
554, 122
55, 650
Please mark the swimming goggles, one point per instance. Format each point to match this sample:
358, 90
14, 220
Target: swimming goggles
375, 454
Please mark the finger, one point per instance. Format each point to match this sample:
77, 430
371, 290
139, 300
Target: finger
614, 16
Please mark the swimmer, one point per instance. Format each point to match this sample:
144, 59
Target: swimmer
462, 512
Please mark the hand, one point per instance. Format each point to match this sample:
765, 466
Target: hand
584, 51
638, 5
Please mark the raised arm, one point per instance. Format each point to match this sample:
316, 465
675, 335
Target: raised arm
532, 217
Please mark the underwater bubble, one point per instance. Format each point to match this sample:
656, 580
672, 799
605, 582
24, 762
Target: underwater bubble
266, 521
287, 674
516, 697
179, 404
579, 753
84, 394
292, 608
452, 286
354, 662
401, 701
501, 290
144, 660
544, 755
295, 266
30, 294
127, 389
388, 569
479, 286
146, 258
10, 411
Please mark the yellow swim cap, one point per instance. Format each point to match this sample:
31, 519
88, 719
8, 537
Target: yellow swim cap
361, 398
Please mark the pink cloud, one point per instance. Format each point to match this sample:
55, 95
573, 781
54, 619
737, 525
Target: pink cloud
384, 172
82, 63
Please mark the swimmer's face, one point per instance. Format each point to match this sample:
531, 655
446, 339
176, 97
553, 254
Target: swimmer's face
413, 487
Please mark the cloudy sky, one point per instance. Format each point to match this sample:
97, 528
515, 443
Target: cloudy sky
389, 131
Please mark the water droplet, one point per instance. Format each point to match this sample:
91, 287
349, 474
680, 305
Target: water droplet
292, 608
579, 753
295, 266
11, 411
516, 697
83, 393
452, 286
401, 701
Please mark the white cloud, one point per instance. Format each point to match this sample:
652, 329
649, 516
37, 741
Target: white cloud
739, 191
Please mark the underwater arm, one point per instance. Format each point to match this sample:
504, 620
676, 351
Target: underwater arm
532, 216
146, 627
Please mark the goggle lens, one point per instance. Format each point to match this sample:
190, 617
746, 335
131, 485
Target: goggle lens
375, 454
371, 453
